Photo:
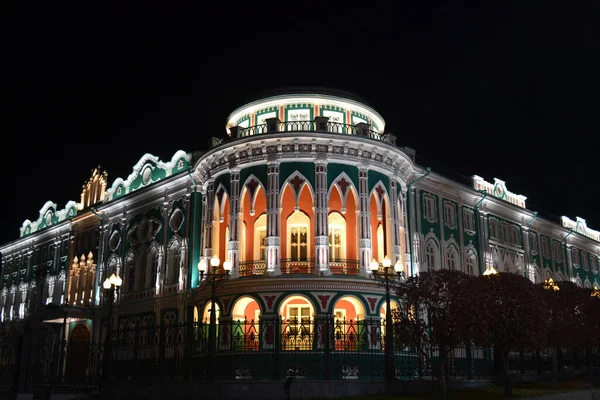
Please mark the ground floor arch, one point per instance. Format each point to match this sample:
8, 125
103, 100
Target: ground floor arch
297, 315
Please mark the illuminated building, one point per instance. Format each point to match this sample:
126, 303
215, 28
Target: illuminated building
303, 193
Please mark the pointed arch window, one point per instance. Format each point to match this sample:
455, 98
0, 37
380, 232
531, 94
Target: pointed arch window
430, 256
451, 258
260, 238
471, 263
337, 236
380, 242
297, 228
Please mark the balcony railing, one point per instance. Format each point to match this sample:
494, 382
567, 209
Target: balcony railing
337, 266
319, 124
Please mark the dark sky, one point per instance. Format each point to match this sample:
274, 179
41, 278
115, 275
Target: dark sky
505, 89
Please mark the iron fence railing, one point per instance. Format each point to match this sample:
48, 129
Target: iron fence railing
315, 126
338, 266
316, 347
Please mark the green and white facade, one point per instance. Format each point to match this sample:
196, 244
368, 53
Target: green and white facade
303, 193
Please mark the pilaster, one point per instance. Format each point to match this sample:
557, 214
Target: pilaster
364, 243
234, 224
273, 220
321, 217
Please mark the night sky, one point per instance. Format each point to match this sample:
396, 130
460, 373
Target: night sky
506, 89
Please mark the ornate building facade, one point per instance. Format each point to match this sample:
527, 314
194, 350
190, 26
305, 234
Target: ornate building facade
306, 190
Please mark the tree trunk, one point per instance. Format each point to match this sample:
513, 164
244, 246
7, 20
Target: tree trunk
441, 372
555, 364
506, 374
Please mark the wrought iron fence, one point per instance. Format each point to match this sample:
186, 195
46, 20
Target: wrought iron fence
318, 347
337, 266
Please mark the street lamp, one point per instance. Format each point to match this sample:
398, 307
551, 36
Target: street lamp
553, 288
388, 279
111, 286
490, 271
213, 279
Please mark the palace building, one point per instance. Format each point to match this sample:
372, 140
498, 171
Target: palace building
291, 208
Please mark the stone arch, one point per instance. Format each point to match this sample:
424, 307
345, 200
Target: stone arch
546, 274
587, 284
297, 314
252, 186
244, 305
451, 254
345, 187
174, 261
354, 306
206, 309
220, 218
297, 182
432, 252
221, 198
246, 312
380, 211
471, 263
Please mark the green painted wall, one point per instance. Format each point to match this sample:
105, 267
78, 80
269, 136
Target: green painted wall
195, 238
286, 169
374, 177
334, 170
260, 171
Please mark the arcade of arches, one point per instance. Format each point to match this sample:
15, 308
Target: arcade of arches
302, 233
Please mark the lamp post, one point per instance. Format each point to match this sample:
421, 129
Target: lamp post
213, 279
111, 286
388, 278
554, 289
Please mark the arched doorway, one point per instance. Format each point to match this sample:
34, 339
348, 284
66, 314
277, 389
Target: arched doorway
348, 323
297, 314
246, 324
77, 354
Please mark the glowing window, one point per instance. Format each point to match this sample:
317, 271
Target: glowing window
297, 224
337, 236
260, 238
380, 239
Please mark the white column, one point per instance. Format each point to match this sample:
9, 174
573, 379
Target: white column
364, 242
321, 223
273, 220
208, 199
234, 224
395, 222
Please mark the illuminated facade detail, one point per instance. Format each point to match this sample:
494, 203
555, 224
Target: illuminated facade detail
498, 189
300, 198
94, 189
580, 227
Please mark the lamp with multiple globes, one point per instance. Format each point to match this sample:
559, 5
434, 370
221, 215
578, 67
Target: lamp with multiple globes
388, 278
111, 287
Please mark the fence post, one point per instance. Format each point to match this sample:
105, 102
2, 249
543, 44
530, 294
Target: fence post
469, 350
161, 350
